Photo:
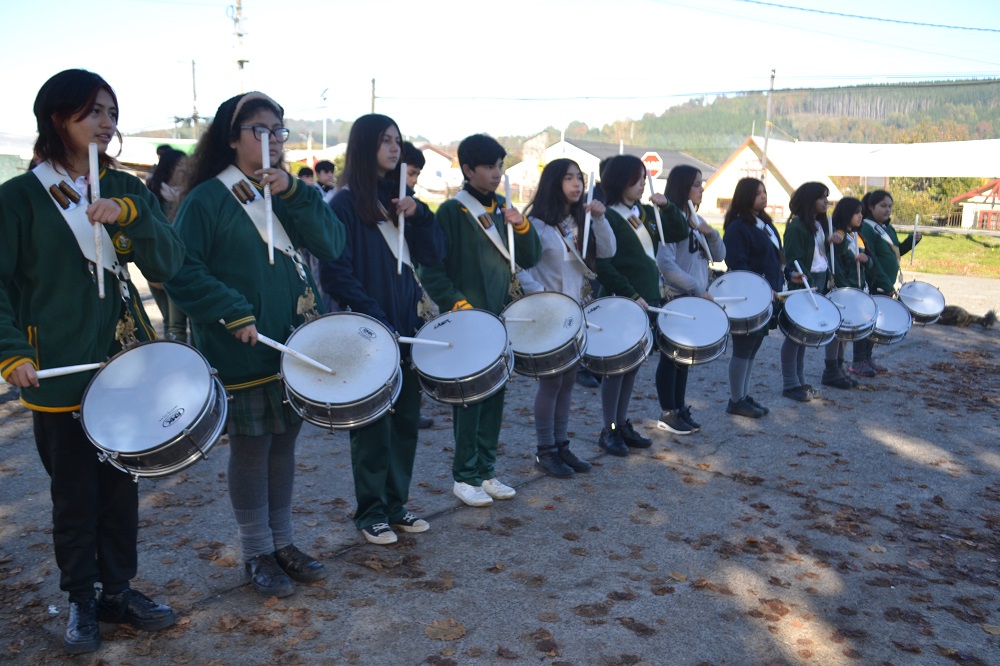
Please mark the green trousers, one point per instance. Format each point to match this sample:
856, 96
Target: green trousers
382, 456
477, 432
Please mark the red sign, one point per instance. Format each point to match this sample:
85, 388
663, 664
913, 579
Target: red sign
654, 163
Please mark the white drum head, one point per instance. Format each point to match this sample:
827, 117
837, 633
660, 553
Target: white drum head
710, 323
742, 284
623, 325
557, 320
893, 317
360, 349
857, 309
921, 298
823, 317
146, 396
478, 339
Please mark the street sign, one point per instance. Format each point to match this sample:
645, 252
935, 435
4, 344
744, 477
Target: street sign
654, 163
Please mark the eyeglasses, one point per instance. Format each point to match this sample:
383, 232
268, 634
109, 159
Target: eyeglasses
280, 134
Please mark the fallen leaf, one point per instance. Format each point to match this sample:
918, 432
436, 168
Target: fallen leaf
506, 654
445, 630
875, 548
677, 576
991, 629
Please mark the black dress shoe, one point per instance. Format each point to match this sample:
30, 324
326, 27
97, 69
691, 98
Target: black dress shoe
744, 407
134, 608
570, 458
756, 404
548, 461
632, 439
298, 565
267, 576
611, 441
798, 393
424, 422
82, 631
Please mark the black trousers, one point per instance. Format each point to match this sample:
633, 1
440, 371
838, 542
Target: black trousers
95, 509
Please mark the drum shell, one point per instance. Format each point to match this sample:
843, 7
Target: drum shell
712, 325
177, 449
859, 306
492, 369
562, 318
798, 331
304, 387
930, 299
606, 312
893, 323
755, 312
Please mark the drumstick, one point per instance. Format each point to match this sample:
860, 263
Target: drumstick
66, 370
586, 218
510, 227
592, 325
805, 281
728, 299
656, 209
402, 219
421, 341
519, 319
95, 194
913, 243
701, 237
671, 312
789, 292
829, 227
265, 150
274, 344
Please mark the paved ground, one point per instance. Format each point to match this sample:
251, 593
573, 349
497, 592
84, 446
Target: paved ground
861, 528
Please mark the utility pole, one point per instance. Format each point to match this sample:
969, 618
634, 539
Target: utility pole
373, 95
767, 131
322, 96
235, 12
194, 104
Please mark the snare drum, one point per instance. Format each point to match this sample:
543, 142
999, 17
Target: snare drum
808, 324
692, 341
365, 359
154, 409
893, 321
749, 315
924, 301
858, 313
552, 341
620, 340
476, 365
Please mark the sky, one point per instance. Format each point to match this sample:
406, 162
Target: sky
448, 68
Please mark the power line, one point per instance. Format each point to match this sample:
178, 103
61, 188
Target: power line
869, 18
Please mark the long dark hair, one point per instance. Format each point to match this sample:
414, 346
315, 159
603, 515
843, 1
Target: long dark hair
361, 168
845, 209
803, 206
620, 172
550, 205
69, 95
163, 172
870, 200
214, 152
741, 208
679, 182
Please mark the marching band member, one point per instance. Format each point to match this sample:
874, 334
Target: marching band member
229, 290
364, 278
851, 263
475, 273
557, 215
51, 315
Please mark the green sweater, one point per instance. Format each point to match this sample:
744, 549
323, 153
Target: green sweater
226, 275
799, 243
886, 268
846, 274
50, 312
631, 273
473, 270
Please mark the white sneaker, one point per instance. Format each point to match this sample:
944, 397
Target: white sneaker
498, 490
472, 495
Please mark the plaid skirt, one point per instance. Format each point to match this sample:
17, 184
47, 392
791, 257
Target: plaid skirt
261, 410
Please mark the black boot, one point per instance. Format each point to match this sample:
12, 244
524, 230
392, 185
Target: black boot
267, 577
633, 439
547, 459
298, 565
611, 441
570, 458
82, 631
832, 377
135, 608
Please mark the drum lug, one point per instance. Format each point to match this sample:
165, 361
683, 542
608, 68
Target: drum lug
76, 415
102, 457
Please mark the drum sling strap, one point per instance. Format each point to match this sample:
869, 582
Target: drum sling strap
884, 235
568, 236
489, 223
390, 232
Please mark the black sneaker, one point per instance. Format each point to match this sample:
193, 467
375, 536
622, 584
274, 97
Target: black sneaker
410, 523
298, 565
671, 421
549, 462
837, 380
267, 576
756, 404
633, 439
570, 458
82, 631
743, 408
798, 393
134, 608
379, 534
685, 414
611, 441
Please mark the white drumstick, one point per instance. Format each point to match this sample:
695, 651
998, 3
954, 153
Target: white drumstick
95, 194
421, 341
829, 227
274, 344
656, 209
592, 325
519, 319
913, 242
402, 220
66, 370
728, 299
673, 313
805, 281
701, 237
789, 292
586, 218
510, 227
265, 149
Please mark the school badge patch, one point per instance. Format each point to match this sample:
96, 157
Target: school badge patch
122, 243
